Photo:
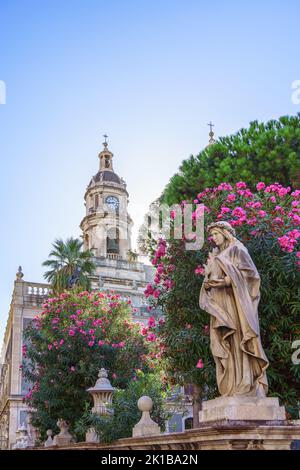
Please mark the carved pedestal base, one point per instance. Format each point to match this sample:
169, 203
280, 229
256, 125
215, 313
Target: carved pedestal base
242, 408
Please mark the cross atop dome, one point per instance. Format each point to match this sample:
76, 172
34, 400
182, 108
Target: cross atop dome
105, 143
211, 133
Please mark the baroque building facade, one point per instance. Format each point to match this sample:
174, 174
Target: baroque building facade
106, 230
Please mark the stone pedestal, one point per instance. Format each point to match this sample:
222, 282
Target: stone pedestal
64, 437
242, 408
146, 426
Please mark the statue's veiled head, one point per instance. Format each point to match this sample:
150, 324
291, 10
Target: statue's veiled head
221, 232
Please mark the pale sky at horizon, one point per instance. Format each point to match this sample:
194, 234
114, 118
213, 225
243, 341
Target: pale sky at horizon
150, 74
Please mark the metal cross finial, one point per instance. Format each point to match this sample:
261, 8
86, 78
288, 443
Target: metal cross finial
211, 125
105, 141
211, 133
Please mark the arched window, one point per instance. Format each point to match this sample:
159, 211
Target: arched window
107, 161
96, 201
188, 423
112, 241
86, 241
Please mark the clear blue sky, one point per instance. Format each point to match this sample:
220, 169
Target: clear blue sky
149, 73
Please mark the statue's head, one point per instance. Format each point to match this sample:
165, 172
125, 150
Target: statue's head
221, 232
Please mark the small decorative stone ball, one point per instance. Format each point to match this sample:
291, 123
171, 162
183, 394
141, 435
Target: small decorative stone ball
145, 404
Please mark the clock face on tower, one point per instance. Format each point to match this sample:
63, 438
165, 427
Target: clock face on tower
112, 202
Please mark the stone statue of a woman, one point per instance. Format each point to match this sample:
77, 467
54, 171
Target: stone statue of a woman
230, 294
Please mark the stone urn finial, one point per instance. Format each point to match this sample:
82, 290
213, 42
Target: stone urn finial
19, 274
102, 394
146, 426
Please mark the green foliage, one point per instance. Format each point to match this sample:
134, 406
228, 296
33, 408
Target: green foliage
268, 152
126, 413
67, 259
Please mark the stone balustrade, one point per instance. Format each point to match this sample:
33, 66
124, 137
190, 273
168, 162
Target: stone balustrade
35, 293
239, 435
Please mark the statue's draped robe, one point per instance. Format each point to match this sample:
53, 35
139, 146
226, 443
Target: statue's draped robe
234, 330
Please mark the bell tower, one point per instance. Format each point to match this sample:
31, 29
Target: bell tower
107, 225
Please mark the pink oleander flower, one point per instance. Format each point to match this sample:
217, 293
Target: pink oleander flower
151, 322
160, 269
241, 185
225, 210
262, 214
238, 212
199, 270
156, 293
260, 186
278, 221
200, 364
101, 342
149, 290
168, 284
50, 347
72, 369
251, 221
91, 343
231, 197
221, 187
296, 194
71, 332
151, 337
114, 376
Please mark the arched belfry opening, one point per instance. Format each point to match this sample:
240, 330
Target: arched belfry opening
113, 241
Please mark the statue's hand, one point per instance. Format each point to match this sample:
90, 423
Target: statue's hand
222, 282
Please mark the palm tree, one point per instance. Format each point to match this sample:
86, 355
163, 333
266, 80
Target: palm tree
69, 265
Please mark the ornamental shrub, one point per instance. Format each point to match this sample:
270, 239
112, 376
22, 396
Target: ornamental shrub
267, 221
77, 334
